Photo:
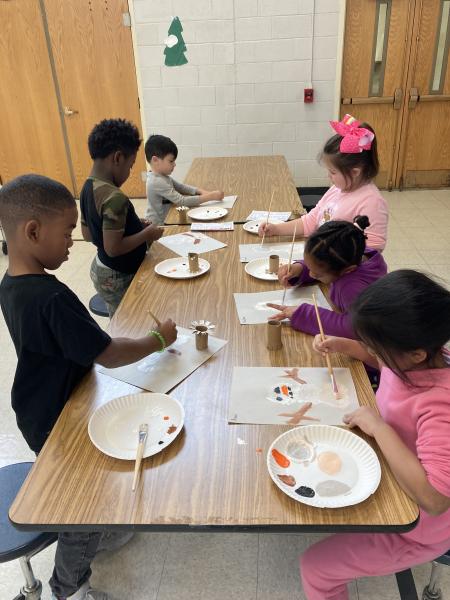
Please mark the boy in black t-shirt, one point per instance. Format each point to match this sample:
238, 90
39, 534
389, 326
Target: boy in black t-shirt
108, 218
55, 338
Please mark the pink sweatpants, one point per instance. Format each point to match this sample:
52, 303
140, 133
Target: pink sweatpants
327, 567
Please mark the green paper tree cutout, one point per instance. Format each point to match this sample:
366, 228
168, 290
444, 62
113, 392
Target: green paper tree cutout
175, 55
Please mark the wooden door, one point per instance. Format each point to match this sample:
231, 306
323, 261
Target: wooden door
425, 144
93, 54
31, 136
376, 52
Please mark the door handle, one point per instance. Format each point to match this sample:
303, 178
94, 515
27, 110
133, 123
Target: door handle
69, 111
398, 97
413, 98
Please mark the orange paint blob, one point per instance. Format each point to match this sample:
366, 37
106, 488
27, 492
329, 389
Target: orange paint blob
280, 459
166, 418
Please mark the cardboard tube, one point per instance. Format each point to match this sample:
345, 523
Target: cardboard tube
201, 339
182, 215
274, 263
274, 335
193, 262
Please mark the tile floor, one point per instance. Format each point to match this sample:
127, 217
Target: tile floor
225, 566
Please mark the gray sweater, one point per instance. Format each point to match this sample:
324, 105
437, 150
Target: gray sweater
162, 191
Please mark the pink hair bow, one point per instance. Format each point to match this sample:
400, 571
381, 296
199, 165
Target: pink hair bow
354, 138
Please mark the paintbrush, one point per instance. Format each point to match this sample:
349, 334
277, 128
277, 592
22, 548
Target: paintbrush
143, 431
267, 220
157, 321
327, 357
289, 263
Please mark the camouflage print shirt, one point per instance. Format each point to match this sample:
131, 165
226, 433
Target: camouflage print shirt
105, 207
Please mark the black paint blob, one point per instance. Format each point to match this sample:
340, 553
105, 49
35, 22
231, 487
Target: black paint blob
307, 492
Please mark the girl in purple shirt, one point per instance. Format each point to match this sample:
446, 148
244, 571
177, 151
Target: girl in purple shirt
335, 254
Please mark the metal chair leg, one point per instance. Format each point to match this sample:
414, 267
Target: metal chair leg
32, 589
432, 591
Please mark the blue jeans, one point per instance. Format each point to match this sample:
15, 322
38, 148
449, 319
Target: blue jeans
74, 554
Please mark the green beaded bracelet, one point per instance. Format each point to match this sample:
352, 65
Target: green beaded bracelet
160, 338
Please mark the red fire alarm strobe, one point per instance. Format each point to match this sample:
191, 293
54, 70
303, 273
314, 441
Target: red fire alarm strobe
308, 95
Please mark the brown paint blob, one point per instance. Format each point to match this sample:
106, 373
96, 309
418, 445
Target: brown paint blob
171, 429
329, 462
288, 480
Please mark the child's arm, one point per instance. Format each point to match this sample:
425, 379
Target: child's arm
346, 346
406, 467
124, 351
115, 244
172, 193
334, 323
286, 228
86, 233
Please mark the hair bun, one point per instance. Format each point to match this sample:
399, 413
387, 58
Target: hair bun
361, 221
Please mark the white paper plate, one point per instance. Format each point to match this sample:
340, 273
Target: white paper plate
178, 268
258, 268
207, 214
360, 469
114, 426
253, 226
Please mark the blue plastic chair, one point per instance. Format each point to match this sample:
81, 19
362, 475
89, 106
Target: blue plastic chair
15, 544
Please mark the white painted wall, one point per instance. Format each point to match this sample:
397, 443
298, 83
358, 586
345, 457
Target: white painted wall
242, 91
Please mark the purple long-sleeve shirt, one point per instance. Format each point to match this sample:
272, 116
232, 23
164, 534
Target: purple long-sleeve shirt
342, 293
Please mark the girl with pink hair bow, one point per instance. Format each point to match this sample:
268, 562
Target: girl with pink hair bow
351, 159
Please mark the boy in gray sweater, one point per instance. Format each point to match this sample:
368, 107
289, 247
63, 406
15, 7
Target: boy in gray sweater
162, 191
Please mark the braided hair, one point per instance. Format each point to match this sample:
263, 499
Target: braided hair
339, 244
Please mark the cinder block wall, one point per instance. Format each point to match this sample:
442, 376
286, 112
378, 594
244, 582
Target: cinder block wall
242, 89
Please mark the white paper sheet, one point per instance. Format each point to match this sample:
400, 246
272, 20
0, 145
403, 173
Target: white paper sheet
248, 252
227, 202
183, 243
290, 396
261, 215
160, 372
252, 308
211, 226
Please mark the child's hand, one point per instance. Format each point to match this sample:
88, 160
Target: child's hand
168, 330
284, 275
366, 418
286, 312
331, 344
269, 229
217, 195
153, 233
145, 222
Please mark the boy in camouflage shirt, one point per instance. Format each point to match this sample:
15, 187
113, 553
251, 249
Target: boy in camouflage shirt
108, 218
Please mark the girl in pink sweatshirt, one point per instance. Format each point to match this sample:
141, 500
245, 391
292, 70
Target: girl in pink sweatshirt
403, 321
351, 160
335, 254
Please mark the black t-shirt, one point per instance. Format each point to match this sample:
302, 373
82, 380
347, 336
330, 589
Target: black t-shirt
56, 342
105, 207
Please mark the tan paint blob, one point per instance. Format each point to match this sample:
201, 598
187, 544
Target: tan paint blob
329, 463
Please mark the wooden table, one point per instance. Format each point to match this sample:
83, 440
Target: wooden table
204, 479
251, 178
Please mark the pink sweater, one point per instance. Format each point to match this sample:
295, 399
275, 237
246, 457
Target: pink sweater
337, 205
420, 414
